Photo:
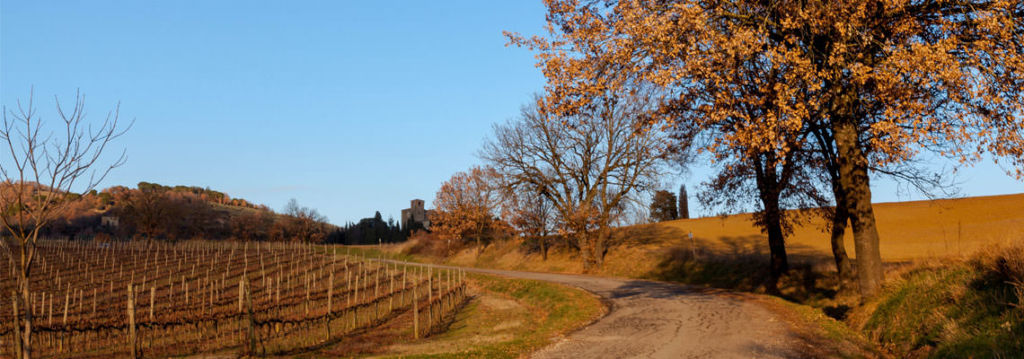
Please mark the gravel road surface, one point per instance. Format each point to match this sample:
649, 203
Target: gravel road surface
649, 319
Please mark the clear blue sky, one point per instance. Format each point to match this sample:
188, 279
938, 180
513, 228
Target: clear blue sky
349, 107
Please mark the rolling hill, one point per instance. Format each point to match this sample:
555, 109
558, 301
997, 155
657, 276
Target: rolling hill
909, 230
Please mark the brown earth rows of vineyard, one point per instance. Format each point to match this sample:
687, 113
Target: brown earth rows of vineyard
191, 297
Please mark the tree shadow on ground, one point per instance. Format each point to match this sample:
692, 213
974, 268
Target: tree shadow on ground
651, 289
736, 263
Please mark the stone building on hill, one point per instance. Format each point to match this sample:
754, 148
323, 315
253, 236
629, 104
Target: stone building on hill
416, 216
110, 221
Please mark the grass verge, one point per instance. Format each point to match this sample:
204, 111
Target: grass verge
547, 312
966, 309
823, 336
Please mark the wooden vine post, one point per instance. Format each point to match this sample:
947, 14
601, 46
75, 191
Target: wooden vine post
131, 322
415, 312
430, 298
241, 294
391, 293
376, 294
252, 320
67, 301
355, 311
330, 304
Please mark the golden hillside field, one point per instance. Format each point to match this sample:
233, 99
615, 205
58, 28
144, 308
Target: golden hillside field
908, 230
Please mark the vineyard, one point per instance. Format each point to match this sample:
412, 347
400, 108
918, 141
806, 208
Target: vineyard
154, 299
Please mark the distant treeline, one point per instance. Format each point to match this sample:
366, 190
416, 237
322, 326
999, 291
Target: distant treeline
370, 231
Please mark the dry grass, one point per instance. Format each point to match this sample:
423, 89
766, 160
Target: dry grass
951, 308
730, 252
1004, 264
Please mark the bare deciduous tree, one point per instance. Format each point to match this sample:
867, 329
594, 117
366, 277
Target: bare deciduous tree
305, 224
43, 168
589, 164
532, 214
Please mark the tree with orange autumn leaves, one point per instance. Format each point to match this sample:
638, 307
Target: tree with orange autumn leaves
466, 208
874, 82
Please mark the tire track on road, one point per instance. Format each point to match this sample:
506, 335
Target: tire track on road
650, 319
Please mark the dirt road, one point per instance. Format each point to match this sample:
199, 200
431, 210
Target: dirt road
649, 319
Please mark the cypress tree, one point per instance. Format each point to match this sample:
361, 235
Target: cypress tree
684, 204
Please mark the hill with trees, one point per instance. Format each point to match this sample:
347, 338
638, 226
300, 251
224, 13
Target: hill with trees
153, 211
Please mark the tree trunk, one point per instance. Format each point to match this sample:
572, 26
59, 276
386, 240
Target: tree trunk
17, 326
543, 247
26, 325
26, 298
844, 268
779, 261
599, 247
769, 188
601, 244
479, 240
853, 176
586, 251
843, 265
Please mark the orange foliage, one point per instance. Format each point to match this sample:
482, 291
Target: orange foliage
943, 76
466, 207
880, 81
